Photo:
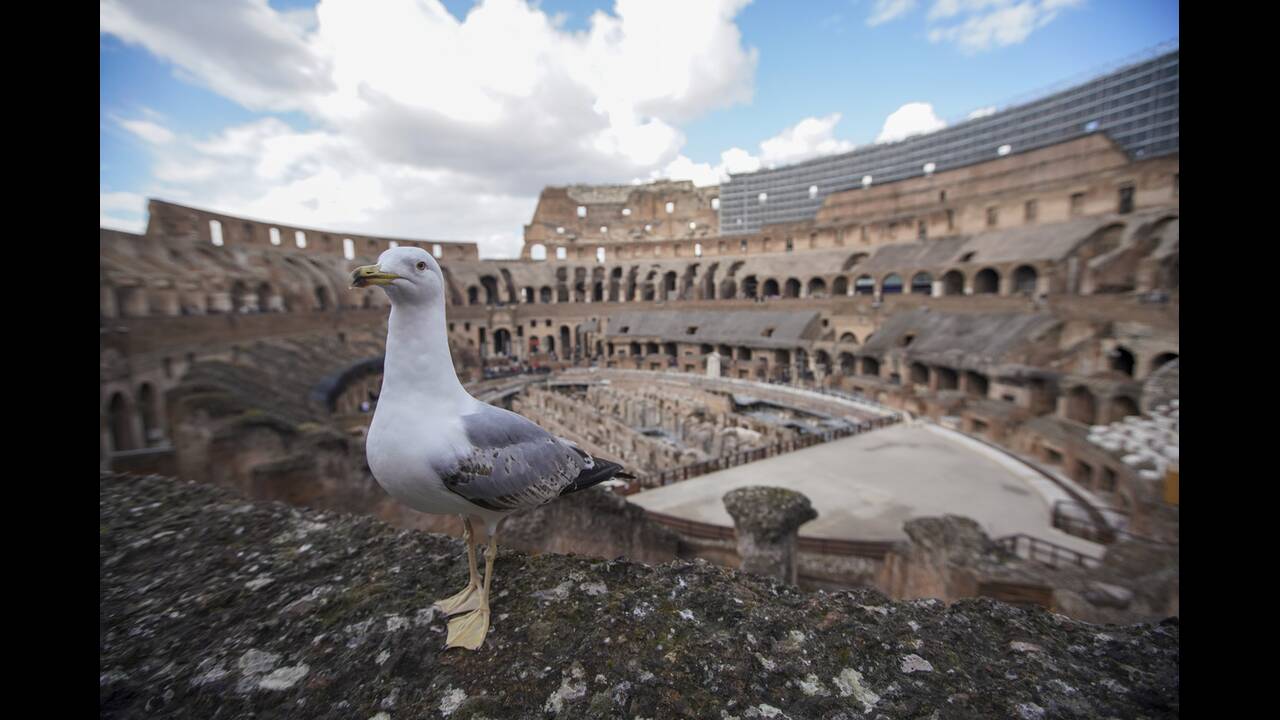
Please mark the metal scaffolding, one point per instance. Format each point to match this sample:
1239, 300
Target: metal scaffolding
1136, 105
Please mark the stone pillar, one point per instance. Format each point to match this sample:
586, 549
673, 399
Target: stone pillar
767, 520
713, 365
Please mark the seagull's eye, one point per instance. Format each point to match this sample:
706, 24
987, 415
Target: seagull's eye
422, 266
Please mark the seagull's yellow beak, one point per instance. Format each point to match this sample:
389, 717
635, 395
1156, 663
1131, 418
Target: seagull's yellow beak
367, 275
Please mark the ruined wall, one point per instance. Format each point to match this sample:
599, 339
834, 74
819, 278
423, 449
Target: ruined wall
212, 605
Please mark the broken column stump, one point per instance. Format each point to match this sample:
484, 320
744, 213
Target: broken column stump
768, 520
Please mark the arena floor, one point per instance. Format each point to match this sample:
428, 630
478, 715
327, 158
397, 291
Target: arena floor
865, 487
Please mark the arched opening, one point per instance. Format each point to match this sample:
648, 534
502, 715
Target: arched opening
1121, 360
147, 408
770, 288
870, 366
490, 285
840, 286
240, 297
562, 292
1162, 359
120, 423
527, 296
538, 252
919, 373
823, 361
127, 301
922, 284
669, 285
1122, 407
853, 260
566, 343
728, 289
848, 337
948, 379
953, 283
977, 383
847, 363
864, 285
986, 282
1024, 280
891, 285
1081, 406
750, 287
791, 288
544, 294
502, 341
264, 297
473, 295
549, 343
322, 298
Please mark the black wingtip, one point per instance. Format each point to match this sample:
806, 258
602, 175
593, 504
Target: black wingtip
603, 470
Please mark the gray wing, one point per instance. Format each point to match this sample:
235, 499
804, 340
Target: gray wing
511, 462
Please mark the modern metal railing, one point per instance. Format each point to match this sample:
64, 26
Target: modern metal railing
1045, 552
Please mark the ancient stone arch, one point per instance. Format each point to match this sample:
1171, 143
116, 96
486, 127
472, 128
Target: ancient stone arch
986, 282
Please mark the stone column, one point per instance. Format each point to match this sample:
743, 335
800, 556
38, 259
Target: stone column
767, 520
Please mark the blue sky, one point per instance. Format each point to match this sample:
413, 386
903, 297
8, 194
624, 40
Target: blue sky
347, 117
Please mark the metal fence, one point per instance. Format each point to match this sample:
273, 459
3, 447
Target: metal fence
1045, 552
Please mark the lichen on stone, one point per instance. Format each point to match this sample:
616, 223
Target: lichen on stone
770, 512
182, 637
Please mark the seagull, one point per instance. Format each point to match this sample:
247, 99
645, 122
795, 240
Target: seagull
435, 448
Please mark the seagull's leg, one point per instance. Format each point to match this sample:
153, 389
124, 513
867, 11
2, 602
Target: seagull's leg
469, 598
469, 630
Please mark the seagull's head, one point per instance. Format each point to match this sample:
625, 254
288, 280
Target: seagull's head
407, 274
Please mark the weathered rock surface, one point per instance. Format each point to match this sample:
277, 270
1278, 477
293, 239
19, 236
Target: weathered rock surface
212, 605
767, 520
770, 512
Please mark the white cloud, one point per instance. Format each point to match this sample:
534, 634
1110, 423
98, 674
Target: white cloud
913, 118
978, 25
734, 160
809, 138
982, 112
115, 206
149, 131
806, 139
885, 10
411, 103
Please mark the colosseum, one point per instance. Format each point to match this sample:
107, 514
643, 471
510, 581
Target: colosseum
992, 336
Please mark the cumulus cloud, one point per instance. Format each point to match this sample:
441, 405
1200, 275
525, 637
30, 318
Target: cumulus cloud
732, 161
913, 118
427, 125
978, 25
885, 10
982, 112
809, 138
806, 139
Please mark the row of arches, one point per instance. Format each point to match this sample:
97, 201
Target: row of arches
134, 420
622, 286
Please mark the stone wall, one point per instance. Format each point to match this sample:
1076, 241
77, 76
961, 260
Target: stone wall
214, 606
